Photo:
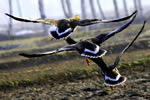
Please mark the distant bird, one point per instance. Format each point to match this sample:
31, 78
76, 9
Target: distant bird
64, 27
110, 73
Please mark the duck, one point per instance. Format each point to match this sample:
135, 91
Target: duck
112, 69
89, 48
63, 28
110, 73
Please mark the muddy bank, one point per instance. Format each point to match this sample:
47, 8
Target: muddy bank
137, 88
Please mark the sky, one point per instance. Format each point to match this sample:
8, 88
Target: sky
53, 8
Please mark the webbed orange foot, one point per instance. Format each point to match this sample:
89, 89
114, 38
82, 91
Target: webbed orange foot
112, 88
88, 61
52, 39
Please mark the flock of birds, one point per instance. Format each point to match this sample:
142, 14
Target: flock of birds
89, 48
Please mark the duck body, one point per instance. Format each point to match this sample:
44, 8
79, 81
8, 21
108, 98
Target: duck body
63, 29
89, 49
111, 77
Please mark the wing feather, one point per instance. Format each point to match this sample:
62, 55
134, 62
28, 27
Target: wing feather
103, 37
120, 19
67, 48
126, 48
86, 22
45, 21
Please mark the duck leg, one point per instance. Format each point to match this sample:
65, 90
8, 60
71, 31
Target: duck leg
88, 61
65, 38
122, 85
112, 88
52, 39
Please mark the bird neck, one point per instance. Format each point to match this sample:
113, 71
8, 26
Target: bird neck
104, 68
101, 64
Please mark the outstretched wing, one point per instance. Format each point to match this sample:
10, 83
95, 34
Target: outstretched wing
120, 19
128, 46
67, 48
95, 21
102, 37
45, 21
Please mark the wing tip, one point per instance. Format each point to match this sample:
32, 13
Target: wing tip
145, 22
22, 54
25, 55
135, 11
7, 14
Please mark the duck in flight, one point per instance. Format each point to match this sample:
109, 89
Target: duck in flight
111, 75
89, 48
65, 27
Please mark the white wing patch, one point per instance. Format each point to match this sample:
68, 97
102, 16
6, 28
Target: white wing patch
89, 56
93, 52
59, 34
56, 29
108, 84
111, 79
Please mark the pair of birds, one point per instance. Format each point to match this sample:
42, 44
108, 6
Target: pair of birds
89, 48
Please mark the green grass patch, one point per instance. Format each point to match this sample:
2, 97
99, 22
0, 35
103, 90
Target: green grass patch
141, 62
41, 77
52, 75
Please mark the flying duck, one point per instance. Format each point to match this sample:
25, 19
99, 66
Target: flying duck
111, 75
89, 48
63, 28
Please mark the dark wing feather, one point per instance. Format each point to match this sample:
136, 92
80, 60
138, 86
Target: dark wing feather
120, 19
128, 46
86, 22
102, 37
45, 21
67, 48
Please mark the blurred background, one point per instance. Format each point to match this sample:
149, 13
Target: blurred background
58, 9
17, 37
